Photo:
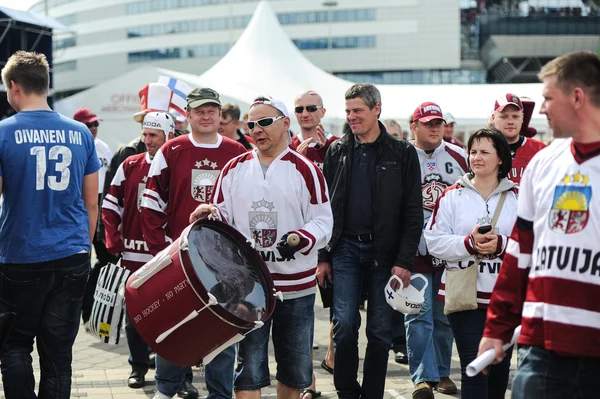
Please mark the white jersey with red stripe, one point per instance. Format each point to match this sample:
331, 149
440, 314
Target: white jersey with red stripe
448, 232
550, 277
291, 196
439, 170
121, 212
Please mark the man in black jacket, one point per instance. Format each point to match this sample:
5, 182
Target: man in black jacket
375, 190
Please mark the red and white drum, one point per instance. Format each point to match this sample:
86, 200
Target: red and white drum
201, 294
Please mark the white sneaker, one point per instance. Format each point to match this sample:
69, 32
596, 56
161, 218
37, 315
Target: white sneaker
159, 395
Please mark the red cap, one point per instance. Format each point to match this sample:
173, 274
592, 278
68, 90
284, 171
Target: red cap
427, 112
508, 99
85, 115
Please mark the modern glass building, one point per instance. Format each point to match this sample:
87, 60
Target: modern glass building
379, 41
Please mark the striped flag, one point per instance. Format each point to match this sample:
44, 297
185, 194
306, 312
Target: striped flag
106, 319
180, 91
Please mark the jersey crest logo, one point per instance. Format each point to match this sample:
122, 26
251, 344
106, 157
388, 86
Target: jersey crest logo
570, 209
263, 223
432, 190
430, 165
203, 180
140, 193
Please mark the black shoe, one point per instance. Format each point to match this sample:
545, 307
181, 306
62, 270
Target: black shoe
401, 358
188, 391
136, 380
152, 361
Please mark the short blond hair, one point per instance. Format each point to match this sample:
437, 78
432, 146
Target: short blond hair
579, 69
29, 70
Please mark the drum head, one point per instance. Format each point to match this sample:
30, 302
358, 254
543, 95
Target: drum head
229, 271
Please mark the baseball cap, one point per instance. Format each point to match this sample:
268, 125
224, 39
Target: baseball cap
159, 120
85, 115
427, 112
449, 118
508, 99
201, 96
268, 100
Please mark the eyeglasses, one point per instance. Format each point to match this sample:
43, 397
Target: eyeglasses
309, 108
226, 123
264, 122
93, 124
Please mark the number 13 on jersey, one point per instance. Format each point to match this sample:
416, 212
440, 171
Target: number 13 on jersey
63, 157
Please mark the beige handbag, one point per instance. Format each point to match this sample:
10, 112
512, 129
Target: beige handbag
461, 284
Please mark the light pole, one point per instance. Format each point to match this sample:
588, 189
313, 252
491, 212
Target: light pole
330, 4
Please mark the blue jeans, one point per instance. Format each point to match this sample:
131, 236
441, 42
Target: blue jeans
354, 261
139, 352
218, 375
468, 330
293, 324
47, 298
429, 336
545, 375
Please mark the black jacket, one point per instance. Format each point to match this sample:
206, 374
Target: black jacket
243, 140
397, 202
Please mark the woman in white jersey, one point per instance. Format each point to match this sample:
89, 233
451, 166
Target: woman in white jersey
456, 234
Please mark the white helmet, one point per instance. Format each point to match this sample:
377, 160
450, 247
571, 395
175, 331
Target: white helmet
407, 300
159, 120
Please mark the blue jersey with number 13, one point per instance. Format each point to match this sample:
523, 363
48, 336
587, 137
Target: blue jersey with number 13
43, 159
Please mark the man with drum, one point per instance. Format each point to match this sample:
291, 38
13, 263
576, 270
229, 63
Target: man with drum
278, 199
122, 222
182, 176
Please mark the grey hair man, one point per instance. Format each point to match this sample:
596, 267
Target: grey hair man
375, 189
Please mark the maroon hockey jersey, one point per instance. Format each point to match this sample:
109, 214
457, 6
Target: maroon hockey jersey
524, 153
121, 212
314, 152
181, 177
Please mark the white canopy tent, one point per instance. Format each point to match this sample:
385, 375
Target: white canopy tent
264, 61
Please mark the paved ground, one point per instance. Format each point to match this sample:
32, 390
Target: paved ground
101, 370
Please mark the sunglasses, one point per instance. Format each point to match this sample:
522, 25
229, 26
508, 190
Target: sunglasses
309, 108
264, 122
93, 124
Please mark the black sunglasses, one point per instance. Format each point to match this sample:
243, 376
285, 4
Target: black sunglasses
309, 108
264, 122
93, 124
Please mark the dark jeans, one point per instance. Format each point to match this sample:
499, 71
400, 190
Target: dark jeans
542, 374
398, 332
468, 327
47, 297
139, 352
354, 261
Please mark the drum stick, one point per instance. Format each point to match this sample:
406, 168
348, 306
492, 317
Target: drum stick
293, 240
488, 356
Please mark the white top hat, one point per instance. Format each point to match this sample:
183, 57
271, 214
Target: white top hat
153, 97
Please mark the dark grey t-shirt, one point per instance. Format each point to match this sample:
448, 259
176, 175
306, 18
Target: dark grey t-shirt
359, 206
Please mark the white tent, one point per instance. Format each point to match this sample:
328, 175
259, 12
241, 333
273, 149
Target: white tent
265, 61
